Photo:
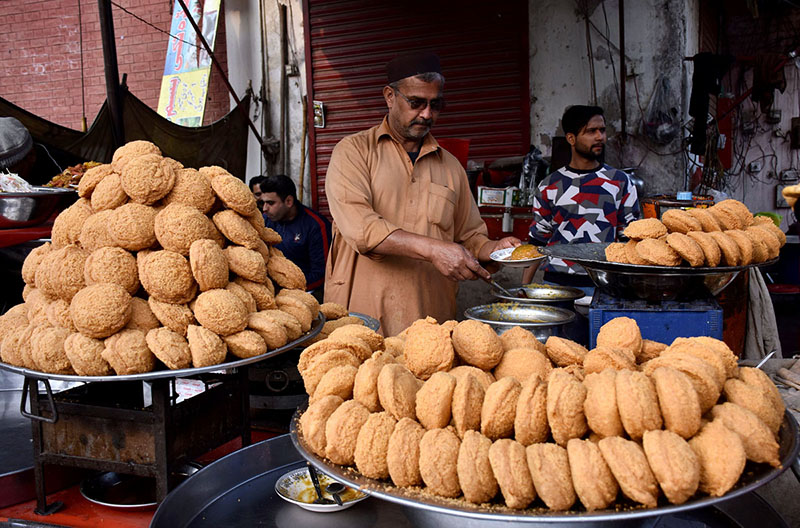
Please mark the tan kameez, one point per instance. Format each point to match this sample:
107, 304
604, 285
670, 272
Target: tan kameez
374, 189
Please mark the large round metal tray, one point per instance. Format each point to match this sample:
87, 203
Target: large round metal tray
651, 283
543, 321
754, 476
316, 326
541, 293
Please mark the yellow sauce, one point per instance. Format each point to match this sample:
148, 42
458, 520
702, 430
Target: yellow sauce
308, 494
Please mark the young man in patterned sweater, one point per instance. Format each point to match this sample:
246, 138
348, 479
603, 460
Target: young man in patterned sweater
586, 201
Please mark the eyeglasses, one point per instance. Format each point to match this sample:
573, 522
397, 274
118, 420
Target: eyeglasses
418, 103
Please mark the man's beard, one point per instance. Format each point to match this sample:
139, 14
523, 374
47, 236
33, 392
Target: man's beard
590, 154
412, 133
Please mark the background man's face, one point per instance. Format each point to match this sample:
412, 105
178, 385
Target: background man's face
256, 188
275, 208
410, 123
591, 139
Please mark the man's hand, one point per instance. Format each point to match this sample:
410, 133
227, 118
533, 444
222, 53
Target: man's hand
493, 245
455, 262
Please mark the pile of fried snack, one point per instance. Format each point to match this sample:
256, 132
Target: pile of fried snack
155, 261
454, 410
725, 234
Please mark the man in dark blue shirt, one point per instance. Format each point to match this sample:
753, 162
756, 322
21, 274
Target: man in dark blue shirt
306, 234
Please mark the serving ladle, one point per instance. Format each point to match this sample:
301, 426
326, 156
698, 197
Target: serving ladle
312, 472
335, 488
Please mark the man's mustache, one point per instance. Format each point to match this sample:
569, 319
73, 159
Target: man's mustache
424, 122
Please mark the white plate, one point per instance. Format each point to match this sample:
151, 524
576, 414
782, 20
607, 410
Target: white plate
297, 482
501, 256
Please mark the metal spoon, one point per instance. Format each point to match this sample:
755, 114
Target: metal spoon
315, 480
494, 284
335, 488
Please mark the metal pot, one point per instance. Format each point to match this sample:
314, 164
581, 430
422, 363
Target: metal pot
549, 294
543, 321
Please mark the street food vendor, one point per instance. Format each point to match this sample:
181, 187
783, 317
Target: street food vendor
405, 226
586, 201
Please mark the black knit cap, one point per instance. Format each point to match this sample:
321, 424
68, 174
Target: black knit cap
15, 142
411, 64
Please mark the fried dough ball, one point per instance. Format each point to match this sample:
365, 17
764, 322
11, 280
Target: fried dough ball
518, 337
552, 479
721, 455
206, 347
565, 352
354, 345
15, 348
758, 378
477, 344
178, 225
341, 432
657, 252
236, 229
365, 383
245, 344
167, 276
290, 323
130, 151
565, 398
700, 351
212, 171
484, 378
702, 375
221, 312
510, 467
745, 245
438, 462
467, 404
499, 408
132, 226
246, 263
114, 265
615, 252
434, 401
530, 419
260, 293
602, 357
191, 188
475, 475
142, 317
755, 401
679, 221
373, 339
522, 363
100, 310
332, 310
758, 441
738, 209
729, 361
673, 463
707, 221
687, 248
725, 218
637, 402
69, 223
628, 464
169, 347
776, 231
58, 315
85, 355
286, 273
712, 254
770, 240
337, 381
61, 272
108, 193
397, 391
127, 353
592, 479
301, 312
148, 178
403, 453
645, 228
372, 445
14, 317
621, 332
632, 256
47, 349
32, 262
246, 298
313, 421
394, 345
272, 332
313, 305
600, 406
428, 348
761, 251
92, 177
731, 254
680, 406
235, 194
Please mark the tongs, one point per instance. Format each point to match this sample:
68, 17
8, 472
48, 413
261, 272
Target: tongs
494, 284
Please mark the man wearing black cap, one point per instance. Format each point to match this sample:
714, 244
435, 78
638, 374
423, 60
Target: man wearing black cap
406, 228
17, 154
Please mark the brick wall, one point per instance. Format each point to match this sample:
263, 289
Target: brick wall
40, 56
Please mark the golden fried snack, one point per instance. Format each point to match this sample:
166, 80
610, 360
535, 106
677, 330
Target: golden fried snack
301, 312
403, 453
365, 383
680, 406
650, 349
341, 432
354, 345
467, 404
127, 353
178, 225
313, 305
637, 402
66, 265
657, 252
622, 333
286, 273
68, 224
397, 391
246, 263
191, 188
58, 315
373, 339
438, 462
518, 337
565, 352
14, 317
85, 355
477, 344
758, 378
530, 419
245, 344
701, 374
687, 248
628, 464
615, 252
428, 348
746, 249
700, 351
220, 311
170, 347
712, 254
132, 226
114, 265
725, 218
264, 298
108, 193
332, 310
32, 262
313, 421
721, 455
483, 377
15, 348
770, 240
132, 150
725, 354
591, 477
91, 178
394, 345
632, 255
776, 231
754, 400
249, 303
731, 254
434, 401
100, 310
212, 171
337, 381
235, 194
236, 229
552, 479
47, 349
600, 405
645, 228
522, 363
142, 317
372, 445
707, 221
679, 221
673, 463
475, 475
206, 347
271, 331
510, 468
290, 323
738, 209
176, 317
602, 357
758, 441
565, 398
499, 408
761, 251
148, 178
167, 276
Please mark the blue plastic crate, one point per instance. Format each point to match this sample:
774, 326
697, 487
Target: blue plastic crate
662, 322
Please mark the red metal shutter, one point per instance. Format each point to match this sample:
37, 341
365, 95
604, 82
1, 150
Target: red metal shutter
483, 47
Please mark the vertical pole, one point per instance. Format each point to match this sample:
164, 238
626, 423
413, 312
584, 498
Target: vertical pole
112, 72
622, 73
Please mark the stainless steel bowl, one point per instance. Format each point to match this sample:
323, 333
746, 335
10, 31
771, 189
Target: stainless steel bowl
27, 209
552, 295
542, 321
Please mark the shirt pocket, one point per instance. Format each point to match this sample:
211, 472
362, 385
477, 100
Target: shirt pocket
441, 207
